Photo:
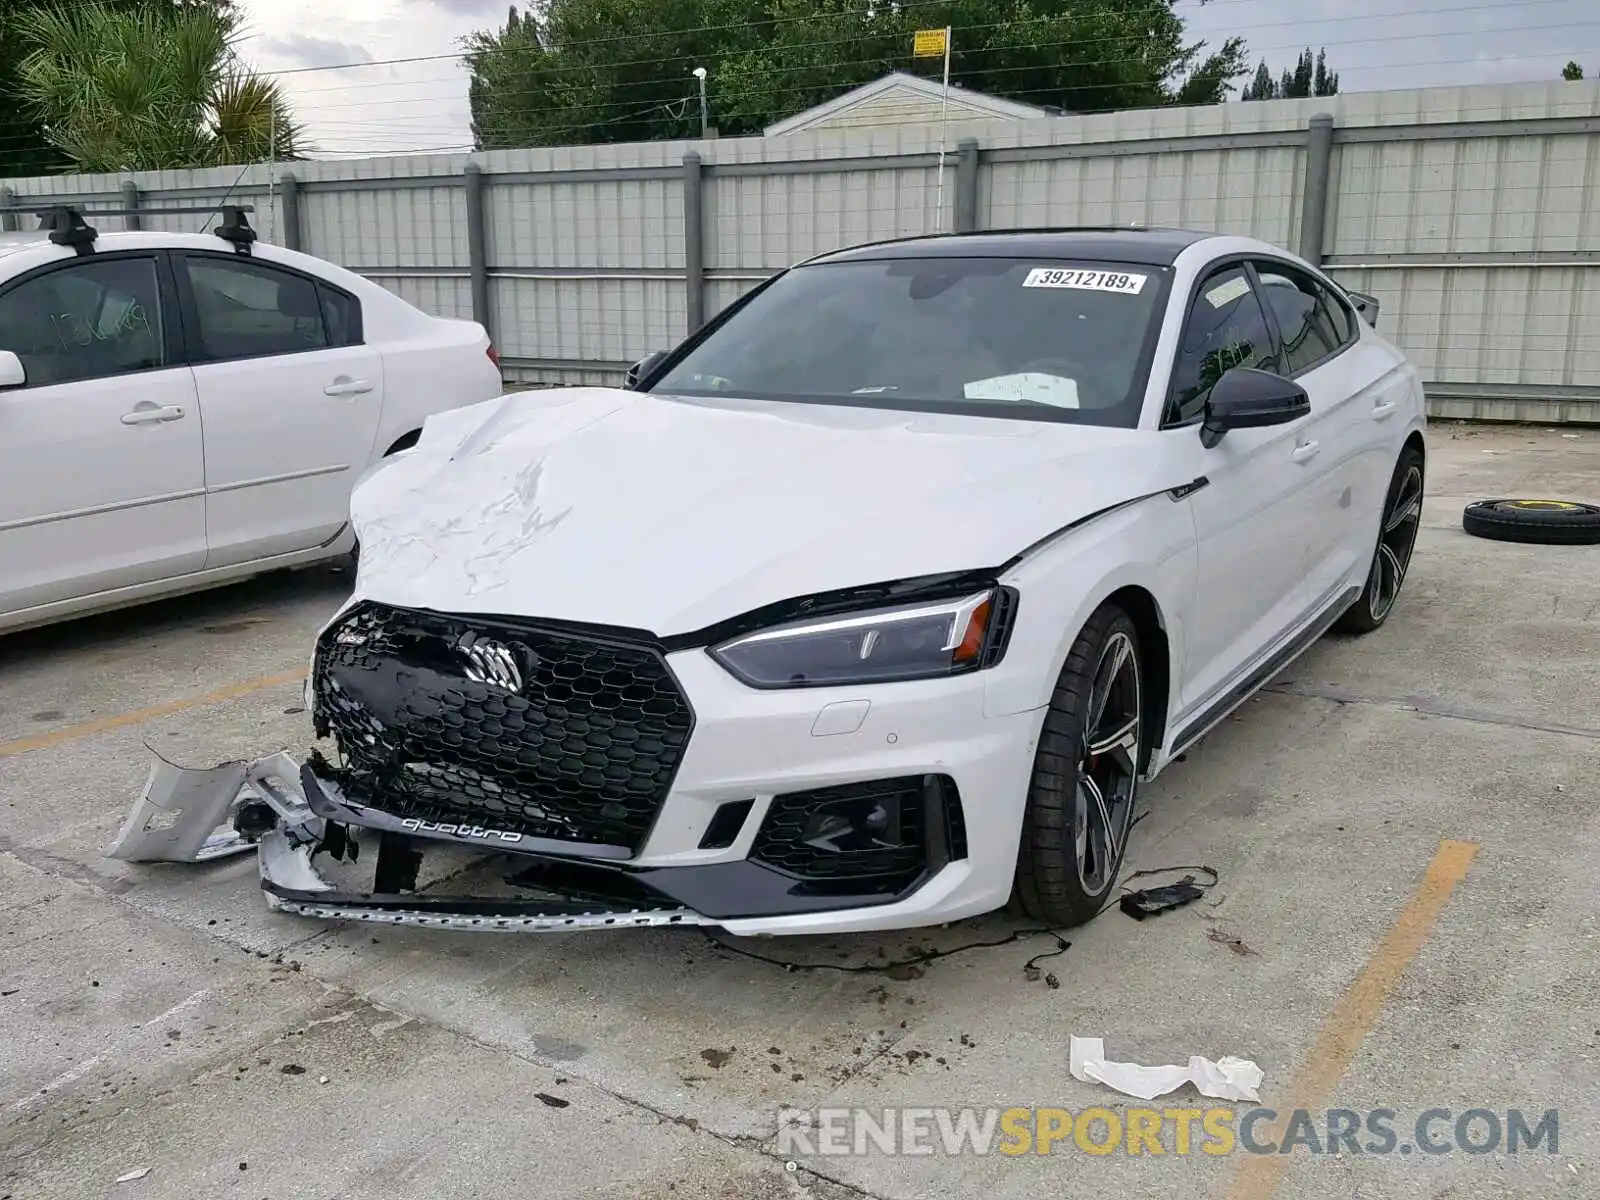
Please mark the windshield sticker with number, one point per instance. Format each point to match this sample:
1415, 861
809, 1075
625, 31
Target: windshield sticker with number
1089, 281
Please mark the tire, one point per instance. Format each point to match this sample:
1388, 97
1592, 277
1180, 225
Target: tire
1072, 849
1536, 522
1397, 539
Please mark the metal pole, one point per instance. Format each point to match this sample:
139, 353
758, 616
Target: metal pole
966, 185
1319, 161
291, 210
705, 112
130, 201
272, 159
944, 114
477, 253
694, 241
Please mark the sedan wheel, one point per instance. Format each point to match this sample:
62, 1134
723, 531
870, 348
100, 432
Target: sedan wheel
1080, 805
1397, 538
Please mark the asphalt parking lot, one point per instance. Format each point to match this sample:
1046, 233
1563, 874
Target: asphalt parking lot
1406, 829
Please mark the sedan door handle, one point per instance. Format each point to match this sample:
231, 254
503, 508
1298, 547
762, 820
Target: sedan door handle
153, 415
1382, 410
1305, 451
345, 386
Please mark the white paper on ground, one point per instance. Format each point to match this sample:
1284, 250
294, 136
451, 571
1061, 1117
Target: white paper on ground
1228, 1078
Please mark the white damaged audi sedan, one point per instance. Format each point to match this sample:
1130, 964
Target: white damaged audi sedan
872, 604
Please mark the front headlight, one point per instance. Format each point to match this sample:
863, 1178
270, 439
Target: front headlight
921, 641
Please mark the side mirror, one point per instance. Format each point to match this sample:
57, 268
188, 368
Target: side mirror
643, 367
1249, 398
12, 372
1367, 306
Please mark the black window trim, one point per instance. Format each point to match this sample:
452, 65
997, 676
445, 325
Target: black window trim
195, 352
1352, 321
173, 326
1203, 277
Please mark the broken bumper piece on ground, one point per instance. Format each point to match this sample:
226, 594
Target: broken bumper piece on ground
297, 819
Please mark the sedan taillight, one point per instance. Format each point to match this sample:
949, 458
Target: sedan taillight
494, 355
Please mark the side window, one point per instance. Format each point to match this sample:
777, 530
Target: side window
1226, 328
341, 313
90, 320
247, 309
1313, 322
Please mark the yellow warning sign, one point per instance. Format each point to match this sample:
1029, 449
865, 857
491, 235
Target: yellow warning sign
929, 43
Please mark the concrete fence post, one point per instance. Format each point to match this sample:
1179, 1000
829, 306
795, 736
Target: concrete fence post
291, 210
8, 217
477, 247
130, 202
694, 240
1319, 165
966, 214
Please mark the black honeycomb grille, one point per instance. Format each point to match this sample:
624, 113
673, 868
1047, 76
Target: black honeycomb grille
550, 734
782, 843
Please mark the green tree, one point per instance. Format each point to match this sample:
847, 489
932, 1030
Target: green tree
580, 71
144, 85
24, 150
1572, 72
1310, 77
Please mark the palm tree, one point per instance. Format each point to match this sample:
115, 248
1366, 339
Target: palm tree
151, 88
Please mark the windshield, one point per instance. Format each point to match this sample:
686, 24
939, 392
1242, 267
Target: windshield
1042, 340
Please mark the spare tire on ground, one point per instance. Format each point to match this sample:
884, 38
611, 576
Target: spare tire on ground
1542, 522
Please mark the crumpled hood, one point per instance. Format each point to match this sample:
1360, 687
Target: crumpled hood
669, 514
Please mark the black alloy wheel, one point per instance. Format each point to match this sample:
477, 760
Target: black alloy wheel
1086, 772
1397, 539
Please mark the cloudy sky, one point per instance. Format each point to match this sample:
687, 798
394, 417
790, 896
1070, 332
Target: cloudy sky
352, 85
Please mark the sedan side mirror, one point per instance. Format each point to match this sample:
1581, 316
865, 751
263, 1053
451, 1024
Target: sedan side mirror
1367, 306
1249, 398
12, 372
643, 367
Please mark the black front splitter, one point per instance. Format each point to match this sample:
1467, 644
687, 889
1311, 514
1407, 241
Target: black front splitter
579, 888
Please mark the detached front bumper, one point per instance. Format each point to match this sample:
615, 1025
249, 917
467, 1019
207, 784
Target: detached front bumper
819, 811
323, 855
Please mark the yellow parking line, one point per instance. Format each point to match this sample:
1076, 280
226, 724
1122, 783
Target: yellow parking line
1356, 1013
104, 724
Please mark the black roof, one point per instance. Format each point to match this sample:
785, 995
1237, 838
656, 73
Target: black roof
1117, 243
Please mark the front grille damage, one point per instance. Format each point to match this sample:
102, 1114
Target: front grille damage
537, 731
554, 749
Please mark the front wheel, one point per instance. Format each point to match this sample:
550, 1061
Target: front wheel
1085, 775
1397, 538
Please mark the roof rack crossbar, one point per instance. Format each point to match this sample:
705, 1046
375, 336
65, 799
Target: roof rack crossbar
235, 228
68, 227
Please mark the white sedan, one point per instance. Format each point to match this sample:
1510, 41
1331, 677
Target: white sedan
179, 411
868, 607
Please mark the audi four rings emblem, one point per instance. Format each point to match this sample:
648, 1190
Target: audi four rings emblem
491, 663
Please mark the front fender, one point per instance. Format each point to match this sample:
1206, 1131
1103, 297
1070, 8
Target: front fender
1148, 545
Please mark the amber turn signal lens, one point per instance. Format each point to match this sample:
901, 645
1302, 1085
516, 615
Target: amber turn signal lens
971, 644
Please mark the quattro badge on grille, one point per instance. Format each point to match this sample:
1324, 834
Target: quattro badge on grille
490, 662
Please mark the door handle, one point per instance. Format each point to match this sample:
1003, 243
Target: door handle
1383, 410
1305, 451
345, 386
153, 415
